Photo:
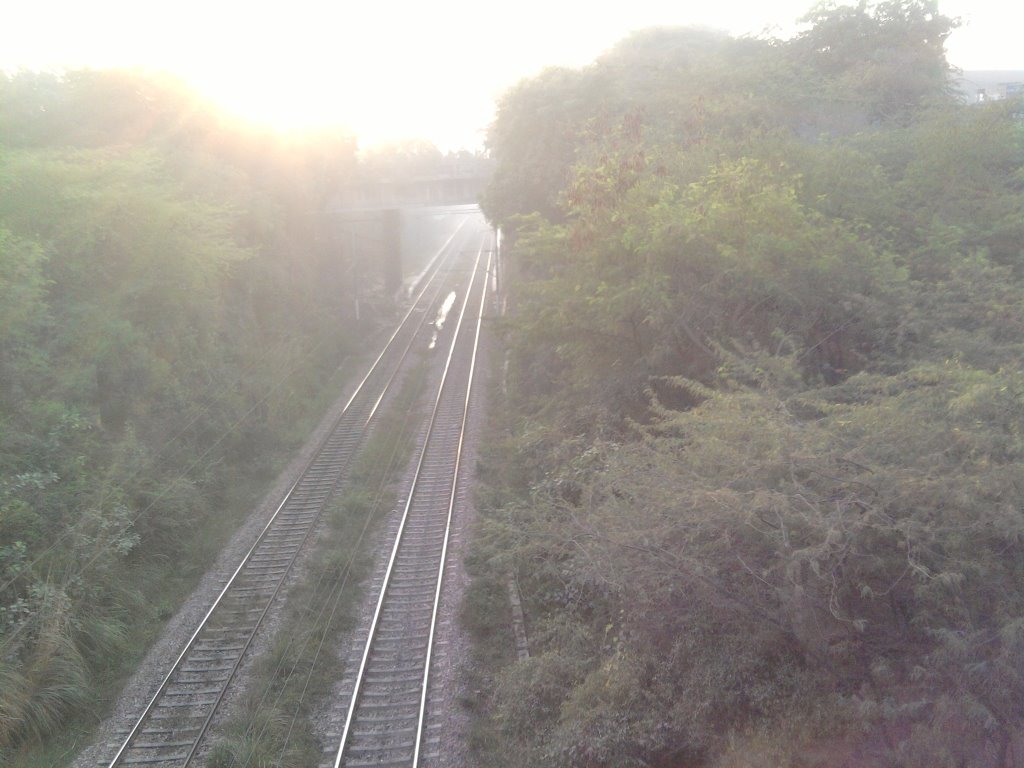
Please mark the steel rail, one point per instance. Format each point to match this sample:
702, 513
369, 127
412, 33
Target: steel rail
448, 521
374, 624
436, 264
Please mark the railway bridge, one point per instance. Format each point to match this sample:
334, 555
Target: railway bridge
457, 186
380, 223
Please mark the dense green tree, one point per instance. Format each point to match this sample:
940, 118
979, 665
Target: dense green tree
886, 57
172, 303
760, 480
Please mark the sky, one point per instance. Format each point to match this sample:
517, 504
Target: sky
389, 70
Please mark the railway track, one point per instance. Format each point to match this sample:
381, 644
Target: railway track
172, 726
388, 694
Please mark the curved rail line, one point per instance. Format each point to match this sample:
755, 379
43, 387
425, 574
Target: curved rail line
172, 726
384, 722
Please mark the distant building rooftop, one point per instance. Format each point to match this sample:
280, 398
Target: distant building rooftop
992, 85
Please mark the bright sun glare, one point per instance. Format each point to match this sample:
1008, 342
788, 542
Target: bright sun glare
387, 71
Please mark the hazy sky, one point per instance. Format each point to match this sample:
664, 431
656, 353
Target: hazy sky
390, 69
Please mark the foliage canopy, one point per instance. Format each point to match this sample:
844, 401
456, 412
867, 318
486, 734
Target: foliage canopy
762, 485
171, 304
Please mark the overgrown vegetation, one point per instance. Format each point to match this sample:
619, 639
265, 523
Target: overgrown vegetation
173, 314
762, 475
273, 725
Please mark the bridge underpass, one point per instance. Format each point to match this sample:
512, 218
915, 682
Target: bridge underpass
455, 188
384, 229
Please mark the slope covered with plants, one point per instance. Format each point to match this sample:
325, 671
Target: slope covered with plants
173, 307
760, 478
